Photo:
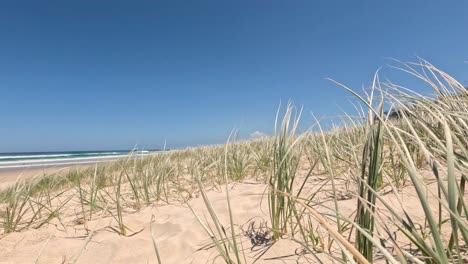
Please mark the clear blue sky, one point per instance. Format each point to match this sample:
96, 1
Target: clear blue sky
80, 75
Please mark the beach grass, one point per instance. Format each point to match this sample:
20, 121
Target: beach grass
400, 142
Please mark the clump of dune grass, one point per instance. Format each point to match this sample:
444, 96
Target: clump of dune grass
16, 206
286, 155
23, 206
371, 176
433, 127
238, 161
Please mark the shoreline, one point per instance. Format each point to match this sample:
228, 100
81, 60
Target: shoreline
39, 164
45, 163
9, 177
10, 172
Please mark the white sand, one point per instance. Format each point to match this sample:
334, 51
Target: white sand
179, 236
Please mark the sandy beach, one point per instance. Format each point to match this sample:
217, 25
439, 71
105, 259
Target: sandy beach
178, 235
7, 178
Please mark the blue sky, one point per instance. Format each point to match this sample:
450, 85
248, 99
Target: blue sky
78, 75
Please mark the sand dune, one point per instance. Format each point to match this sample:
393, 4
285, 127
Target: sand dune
178, 235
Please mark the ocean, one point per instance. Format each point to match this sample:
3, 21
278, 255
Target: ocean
25, 160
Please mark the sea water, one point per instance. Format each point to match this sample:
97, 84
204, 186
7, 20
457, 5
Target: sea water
24, 160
